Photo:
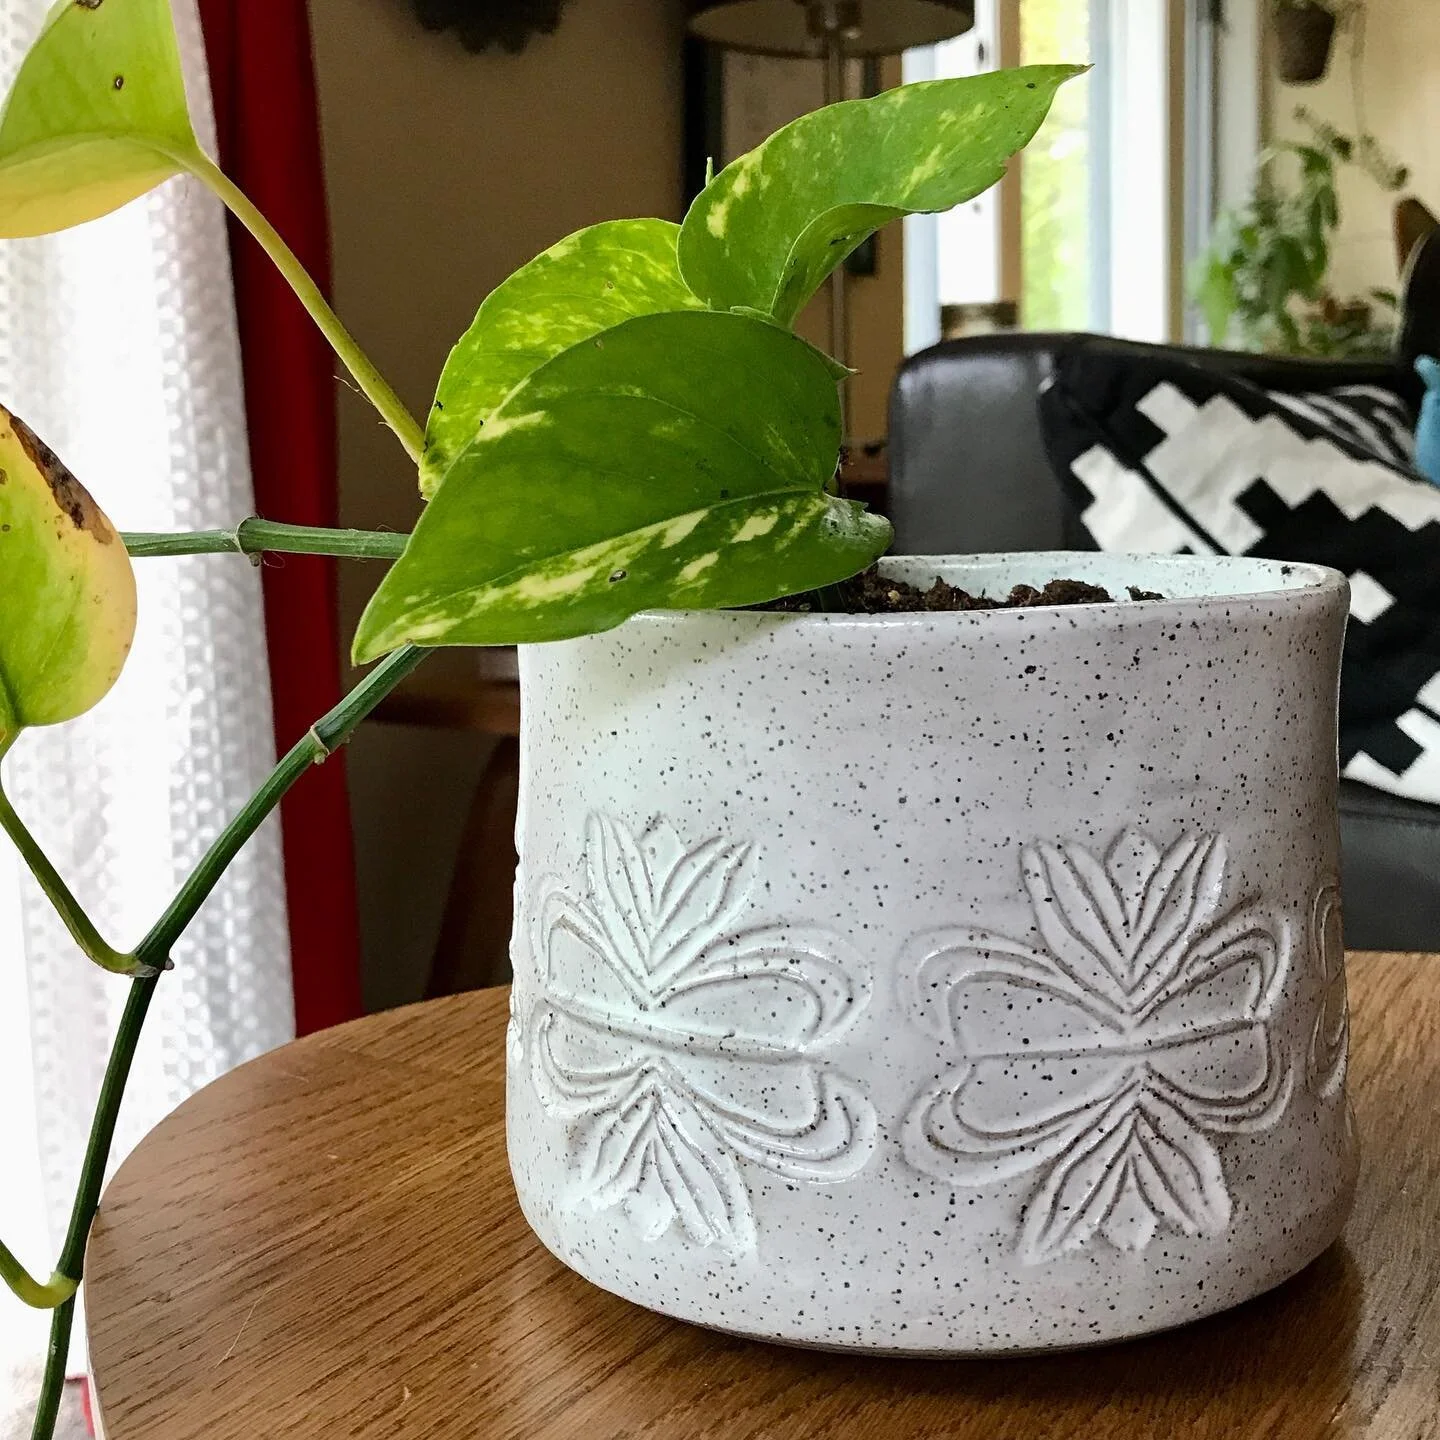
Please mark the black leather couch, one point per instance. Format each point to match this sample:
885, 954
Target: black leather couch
968, 473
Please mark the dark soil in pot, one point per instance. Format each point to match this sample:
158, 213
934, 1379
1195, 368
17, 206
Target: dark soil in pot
871, 593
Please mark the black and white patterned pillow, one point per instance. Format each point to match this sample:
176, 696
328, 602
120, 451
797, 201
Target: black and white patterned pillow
1166, 456
1376, 421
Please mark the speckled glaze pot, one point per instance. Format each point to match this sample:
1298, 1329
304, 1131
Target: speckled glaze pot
939, 984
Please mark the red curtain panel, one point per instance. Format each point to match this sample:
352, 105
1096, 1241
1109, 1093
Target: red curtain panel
263, 82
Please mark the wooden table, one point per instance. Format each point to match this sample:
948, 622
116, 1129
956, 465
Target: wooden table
326, 1244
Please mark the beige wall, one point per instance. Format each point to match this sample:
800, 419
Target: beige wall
446, 172
1400, 76
877, 335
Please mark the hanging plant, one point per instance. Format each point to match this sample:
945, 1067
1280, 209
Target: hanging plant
1305, 31
482, 23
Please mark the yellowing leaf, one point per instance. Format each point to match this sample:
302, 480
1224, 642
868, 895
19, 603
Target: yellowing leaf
96, 116
67, 593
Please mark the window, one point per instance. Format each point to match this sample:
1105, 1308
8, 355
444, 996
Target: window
1090, 230
1057, 213
953, 259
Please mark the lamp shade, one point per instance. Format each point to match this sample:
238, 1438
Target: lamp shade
872, 27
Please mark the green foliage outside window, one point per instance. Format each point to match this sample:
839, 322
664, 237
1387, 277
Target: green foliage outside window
1055, 178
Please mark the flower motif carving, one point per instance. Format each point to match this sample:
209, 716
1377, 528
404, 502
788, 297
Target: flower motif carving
1329, 1051
679, 1042
1110, 1056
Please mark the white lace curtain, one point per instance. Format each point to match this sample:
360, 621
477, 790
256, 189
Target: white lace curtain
118, 345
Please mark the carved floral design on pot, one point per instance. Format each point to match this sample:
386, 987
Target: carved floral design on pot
514, 1032
679, 1042
1329, 1052
1109, 1056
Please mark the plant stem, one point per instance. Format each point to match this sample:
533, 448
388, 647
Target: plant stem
87, 1198
254, 537
369, 379
77, 922
57, 1356
318, 743
28, 1289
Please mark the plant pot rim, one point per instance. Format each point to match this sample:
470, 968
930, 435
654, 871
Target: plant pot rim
1190, 583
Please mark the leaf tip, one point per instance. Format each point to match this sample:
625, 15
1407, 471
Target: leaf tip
367, 646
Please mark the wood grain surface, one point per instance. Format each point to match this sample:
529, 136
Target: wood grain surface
326, 1244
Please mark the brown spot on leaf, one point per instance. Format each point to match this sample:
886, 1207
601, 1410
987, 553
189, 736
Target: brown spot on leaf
70, 495
119, 82
89, 4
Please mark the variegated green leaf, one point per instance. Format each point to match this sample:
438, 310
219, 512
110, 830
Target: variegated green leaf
67, 593
765, 233
677, 460
96, 116
588, 282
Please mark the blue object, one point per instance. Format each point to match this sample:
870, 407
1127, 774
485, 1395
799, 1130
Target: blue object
1427, 428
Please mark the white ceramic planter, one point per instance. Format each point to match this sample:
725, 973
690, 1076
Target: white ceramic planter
939, 983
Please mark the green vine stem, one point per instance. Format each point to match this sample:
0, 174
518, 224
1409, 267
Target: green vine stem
39, 1297
255, 537
77, 922
369, 379
82, 1214
318, 744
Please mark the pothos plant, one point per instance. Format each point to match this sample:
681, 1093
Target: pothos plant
1266, 270
630, 422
